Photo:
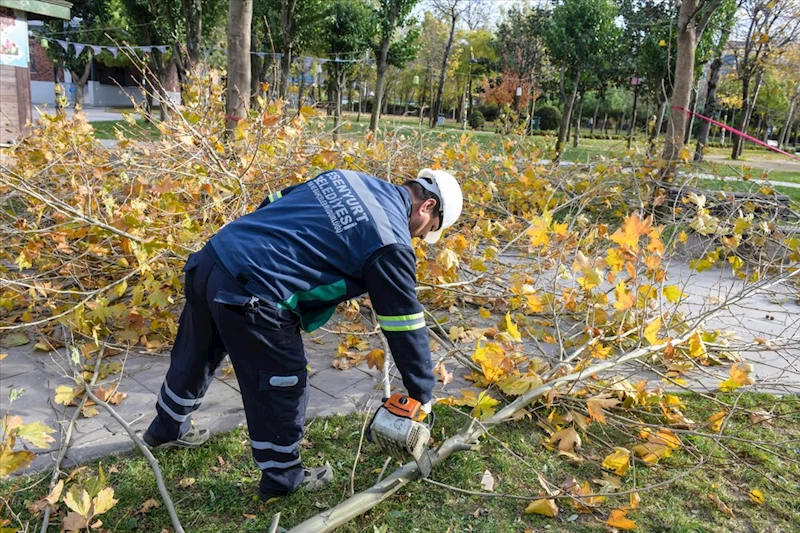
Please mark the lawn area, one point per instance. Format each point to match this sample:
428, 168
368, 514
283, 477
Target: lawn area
143, 130
213, 487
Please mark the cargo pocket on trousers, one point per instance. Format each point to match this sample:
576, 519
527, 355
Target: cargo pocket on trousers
284, 393
189, 270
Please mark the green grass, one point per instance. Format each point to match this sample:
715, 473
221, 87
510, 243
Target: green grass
222, 498
143, 130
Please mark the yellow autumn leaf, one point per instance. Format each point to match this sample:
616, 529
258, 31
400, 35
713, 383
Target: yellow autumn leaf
37, 434
543, 507
485, 313
697, 347
375, 358
533, 303
516, 385
65, 394
596, 404
78, 500
757, 496
715, 421
672, 293
103, 501
492, 359
633, 227
619, 461
538, 230
567, 439
740, 377
484, 408
12, 461
617, 519
625, 299
651, 331
634, 500
511, 328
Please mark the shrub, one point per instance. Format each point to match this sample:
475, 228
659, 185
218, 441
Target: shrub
476, 119
489, 111
549, 118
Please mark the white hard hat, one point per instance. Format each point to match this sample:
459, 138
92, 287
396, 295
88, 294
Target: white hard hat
445, 186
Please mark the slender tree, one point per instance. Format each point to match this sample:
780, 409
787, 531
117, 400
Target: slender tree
349, 28
392, 15
579, 32
770, 28
237, 95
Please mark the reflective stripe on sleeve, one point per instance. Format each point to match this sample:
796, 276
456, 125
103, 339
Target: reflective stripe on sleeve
402, 322
274, 196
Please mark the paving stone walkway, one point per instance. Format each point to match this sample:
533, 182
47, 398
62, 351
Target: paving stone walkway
767, 324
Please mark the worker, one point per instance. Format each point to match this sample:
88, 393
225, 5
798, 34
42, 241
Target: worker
285, 267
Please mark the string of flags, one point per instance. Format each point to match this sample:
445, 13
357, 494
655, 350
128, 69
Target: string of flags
114, 50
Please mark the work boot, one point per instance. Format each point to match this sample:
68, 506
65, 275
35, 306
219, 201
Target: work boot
314, 479
191, 439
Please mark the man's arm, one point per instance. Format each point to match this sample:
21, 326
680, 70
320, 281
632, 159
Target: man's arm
390, 277
275, 196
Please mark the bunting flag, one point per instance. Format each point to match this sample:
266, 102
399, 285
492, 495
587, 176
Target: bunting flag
96, 49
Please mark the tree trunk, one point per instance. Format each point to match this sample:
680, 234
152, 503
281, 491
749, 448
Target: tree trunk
710, 107
240, 14
567, 114
383, 59
632, 125
690, 120
79, 79
662, 108
594, 116
748, 104
287, 34
784, 137
337, 109
438, 102
577, 125
605, 124
684, 76
193, 14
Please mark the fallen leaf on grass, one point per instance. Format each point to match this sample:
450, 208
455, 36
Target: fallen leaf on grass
73, 522
619, 461
487, 481
757, 496
596, 405
721, 505
617, 519
568, 439
635, 499
186, 482
152, 503
760, 417
543, 507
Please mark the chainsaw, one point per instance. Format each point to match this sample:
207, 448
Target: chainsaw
398, 430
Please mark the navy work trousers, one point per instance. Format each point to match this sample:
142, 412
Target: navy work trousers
266, 349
